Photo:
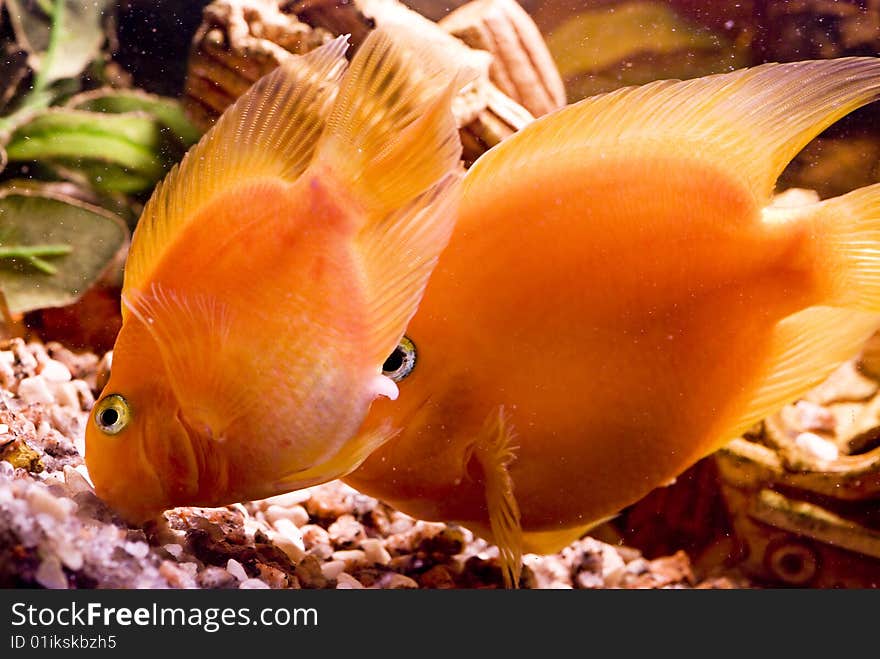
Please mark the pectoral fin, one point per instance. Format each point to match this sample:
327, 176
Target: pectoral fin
355, 452
192, 335
494, 452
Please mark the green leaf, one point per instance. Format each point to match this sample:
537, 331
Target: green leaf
76, 40
97, 143
167, 110
76, 240
77, 187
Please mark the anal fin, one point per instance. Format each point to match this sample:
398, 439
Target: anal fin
551, 542
807, 346
495, 451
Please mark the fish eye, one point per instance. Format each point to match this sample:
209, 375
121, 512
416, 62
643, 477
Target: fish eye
112, 414
401, 362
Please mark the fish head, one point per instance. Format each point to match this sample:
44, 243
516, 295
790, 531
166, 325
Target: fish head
139, 449
439, 413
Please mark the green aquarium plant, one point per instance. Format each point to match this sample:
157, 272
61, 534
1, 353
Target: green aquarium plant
80, 150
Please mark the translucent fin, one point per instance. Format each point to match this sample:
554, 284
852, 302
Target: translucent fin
847, 243
192, 335
550, 542
807, 346
392, 139
270, 131
751, 121
391, 135
356, 451
494, 452
398, 255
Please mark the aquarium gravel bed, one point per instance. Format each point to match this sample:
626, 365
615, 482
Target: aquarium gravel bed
55, 533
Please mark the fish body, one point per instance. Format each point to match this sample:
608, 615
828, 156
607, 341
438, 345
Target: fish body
260, 298
620, 298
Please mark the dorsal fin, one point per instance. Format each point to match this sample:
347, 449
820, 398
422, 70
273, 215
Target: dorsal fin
392, 141
753, 121
391, 134
271, 130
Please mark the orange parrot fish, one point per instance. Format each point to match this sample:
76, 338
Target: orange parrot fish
270, 276
620, 298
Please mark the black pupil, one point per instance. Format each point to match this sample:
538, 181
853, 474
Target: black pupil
109, 417
394, 361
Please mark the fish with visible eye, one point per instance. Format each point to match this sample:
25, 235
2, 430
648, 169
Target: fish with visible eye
620, 298
270, 275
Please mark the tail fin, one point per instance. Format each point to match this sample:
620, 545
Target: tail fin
848, 231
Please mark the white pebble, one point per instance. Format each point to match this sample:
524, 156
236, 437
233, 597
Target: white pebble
290, 498
50, 575
174, 550
252, 527
65, 394
86, 399
70, 556
192, 569
76, 482
7, 377
815, 417
350, 556
345, 581
290, 531
6, 470
375, 552
332, 569
3, 428
137, 549
612, 563
818, 446
253, 584
83, 471
79, 442
35, 390
55, 371
236, 569
296, 514
44, 502
294, 552
52, 478
275, 512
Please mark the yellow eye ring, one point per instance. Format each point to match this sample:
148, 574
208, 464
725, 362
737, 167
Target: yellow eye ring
112, 414
402, 361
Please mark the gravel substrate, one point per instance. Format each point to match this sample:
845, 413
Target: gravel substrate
55, 533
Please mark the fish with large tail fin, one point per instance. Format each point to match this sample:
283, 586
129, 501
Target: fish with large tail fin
620, 299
